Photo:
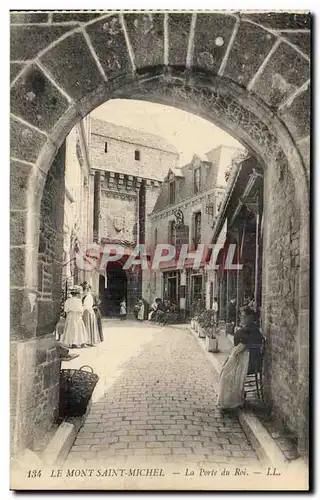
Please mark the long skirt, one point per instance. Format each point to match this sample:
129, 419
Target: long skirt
91, 323
99, 323
141, 313
232, 378
75, 332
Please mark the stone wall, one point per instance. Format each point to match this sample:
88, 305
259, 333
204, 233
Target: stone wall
280, 294
34, 362
51, 246
160, 222
117, 208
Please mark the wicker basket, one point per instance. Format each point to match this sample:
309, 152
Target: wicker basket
76, 388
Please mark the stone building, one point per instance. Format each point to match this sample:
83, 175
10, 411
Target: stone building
195, 191
128, 168
78, 206
255, 85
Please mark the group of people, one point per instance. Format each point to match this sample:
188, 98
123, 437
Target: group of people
234, 313
83, 327
139, 310
160, 308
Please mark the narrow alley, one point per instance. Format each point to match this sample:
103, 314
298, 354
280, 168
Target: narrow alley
156, 400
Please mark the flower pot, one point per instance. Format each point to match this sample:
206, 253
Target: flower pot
201, 332
212, 344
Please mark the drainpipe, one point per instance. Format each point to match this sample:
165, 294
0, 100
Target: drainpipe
96, 205
256, 281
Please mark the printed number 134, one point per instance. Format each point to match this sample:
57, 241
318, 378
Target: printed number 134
34, 473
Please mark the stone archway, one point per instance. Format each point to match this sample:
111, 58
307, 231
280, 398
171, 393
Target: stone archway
224, 67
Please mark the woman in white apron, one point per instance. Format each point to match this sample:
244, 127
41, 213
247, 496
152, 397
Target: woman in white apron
141, 310
89, 316
242, 360
75, 333
123, 309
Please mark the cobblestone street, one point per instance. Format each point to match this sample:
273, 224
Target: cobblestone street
156, 400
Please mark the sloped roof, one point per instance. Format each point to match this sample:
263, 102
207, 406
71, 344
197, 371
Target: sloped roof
177, 172
126, 134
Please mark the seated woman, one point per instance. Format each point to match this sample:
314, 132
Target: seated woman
243, 359
153, 310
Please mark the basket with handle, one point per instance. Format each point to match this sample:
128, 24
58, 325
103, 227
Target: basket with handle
76, 388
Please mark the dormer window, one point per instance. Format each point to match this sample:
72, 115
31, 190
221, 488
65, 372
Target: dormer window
197, 230
137, 155
196, 180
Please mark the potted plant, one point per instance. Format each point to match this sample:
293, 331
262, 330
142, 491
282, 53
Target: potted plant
211, 333
195, 311
212, 341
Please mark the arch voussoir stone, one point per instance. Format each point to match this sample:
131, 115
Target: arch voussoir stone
249, 49
146, 36
78, 74
35, 99
39, 37
108, 40
211, 39
179, 32
296, 115
25, 142
285, 71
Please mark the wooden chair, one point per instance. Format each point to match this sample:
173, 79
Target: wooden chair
253, 382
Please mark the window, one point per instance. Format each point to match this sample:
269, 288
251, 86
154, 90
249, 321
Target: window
137, 155
172, 232
105, 147
172, 192
155, 237
196, 180
197, 289
197, 229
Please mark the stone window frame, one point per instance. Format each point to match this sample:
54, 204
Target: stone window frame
196, 183
137, 155
172, 191
196, 209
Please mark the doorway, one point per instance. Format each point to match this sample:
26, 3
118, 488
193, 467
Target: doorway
112, 290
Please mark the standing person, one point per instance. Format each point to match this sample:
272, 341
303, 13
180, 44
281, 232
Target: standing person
140, 310
89, 316
123, 309
215, 309
153, 310
242, 360
75, 333
96, 308
232, 313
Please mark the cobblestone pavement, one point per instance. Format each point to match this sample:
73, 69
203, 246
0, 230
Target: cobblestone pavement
160, 406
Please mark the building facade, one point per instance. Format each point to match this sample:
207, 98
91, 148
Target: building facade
78, 210
118, 189
270, 276
184, 214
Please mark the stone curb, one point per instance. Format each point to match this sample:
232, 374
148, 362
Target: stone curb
61, 443
265, 447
